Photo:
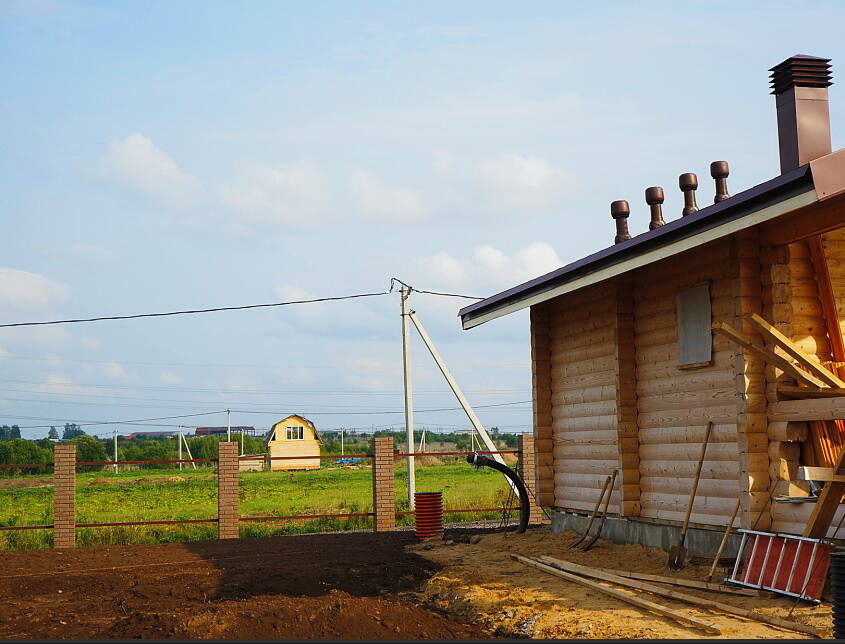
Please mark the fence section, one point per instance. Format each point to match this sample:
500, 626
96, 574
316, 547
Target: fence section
228, 520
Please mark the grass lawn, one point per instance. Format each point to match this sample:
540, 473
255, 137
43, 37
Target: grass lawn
147, 495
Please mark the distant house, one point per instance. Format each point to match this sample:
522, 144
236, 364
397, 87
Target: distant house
129, 437
294, 436
236, 430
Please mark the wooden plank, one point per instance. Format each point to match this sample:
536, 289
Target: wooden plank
807, 409
826, 506
826, 295
688, 583
707, 627
773, 335
683, 597
769, 356
807, 473
793, 391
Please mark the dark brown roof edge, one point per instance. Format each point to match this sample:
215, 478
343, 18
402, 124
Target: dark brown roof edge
743, 203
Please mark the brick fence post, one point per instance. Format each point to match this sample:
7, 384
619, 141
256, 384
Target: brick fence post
384, 501
227, 491
64, 500
528, 473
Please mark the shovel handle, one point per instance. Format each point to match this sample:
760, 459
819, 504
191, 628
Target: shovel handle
695, 480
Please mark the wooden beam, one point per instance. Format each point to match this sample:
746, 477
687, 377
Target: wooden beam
683, 597
828, 300
829, 500
807, 473
688, 583
792, 391
773, 335
707, 627
807, 409
769, 356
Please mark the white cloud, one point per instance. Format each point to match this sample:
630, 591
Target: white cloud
513, 182
137, 164
377, 200
113, 371
56, 383
291, 195
3, 352
25, 290
169, 378
488, 268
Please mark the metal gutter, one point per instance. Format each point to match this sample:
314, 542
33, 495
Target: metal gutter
763, 202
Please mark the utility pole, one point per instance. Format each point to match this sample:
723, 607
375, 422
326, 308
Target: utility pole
242, 440
409, 401
179, 440
229, 425
115, 449
341, 441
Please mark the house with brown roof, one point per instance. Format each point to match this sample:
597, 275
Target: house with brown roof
729, 313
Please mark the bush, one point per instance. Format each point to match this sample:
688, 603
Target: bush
18, 450
89, 449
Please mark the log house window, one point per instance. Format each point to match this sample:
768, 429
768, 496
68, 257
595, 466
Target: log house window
695, 339
296, 433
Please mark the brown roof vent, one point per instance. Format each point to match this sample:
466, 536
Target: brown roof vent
800, 86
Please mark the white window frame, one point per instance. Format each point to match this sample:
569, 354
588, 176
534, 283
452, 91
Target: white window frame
295, 438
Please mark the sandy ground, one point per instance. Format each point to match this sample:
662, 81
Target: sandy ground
483, 583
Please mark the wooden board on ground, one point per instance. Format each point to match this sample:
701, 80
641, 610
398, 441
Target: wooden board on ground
707, 627
687, 583
595, 573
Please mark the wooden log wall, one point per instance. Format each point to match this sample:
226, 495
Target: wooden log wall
585, 410
750, 385
542, 403
674, 405
791, 302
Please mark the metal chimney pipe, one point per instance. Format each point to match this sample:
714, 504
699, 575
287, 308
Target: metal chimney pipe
800, 87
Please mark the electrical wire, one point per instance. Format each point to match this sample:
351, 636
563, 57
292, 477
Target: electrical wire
244, 307
194, 311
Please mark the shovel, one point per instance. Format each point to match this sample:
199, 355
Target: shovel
592, 540
592, 516
678, 554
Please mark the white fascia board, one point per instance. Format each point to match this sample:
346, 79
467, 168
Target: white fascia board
688, 243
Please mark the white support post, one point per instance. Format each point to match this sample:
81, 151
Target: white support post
242, 440
409, 403
115, 450
229, 425
188, 449
476, 423
341, 441
179, 443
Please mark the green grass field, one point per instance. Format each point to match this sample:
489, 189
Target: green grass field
148, 495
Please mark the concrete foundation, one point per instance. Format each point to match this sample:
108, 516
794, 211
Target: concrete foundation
699, 542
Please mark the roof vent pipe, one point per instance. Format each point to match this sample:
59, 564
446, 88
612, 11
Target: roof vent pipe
719, 171
654, 198
620, 210
800, 87
688, 184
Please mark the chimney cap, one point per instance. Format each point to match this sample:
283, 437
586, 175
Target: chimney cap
801, 70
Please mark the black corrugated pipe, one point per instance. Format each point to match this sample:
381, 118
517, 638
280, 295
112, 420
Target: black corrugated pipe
480, 460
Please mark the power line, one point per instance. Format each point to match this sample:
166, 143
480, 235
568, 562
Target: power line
243, 307
194, 311
138, 421
377, 413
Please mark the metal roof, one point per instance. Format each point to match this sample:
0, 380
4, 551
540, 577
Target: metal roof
741, 205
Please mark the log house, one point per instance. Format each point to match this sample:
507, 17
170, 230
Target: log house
626, 371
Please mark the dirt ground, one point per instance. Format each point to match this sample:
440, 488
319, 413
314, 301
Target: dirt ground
327, 586
482, 583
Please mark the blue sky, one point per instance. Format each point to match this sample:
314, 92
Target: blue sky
163, 155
